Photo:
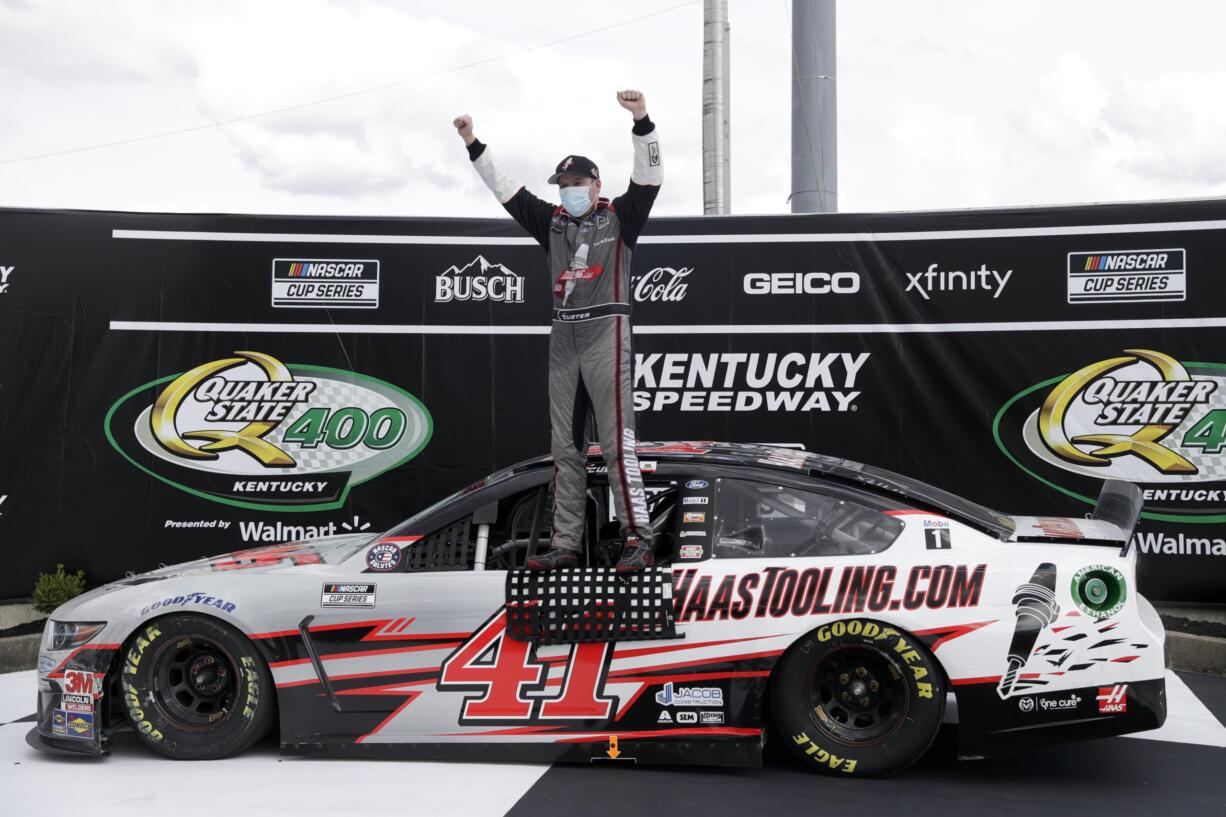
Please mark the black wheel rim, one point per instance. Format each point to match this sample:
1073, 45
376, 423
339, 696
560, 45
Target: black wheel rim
857, 695
195, 682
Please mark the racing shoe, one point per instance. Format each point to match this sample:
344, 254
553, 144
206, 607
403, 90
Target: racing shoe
636, 555
554, 559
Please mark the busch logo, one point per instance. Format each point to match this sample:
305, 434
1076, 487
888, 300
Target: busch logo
662, 284
479, 280
1113, 700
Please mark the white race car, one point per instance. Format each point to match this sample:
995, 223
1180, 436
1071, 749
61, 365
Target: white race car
826, 603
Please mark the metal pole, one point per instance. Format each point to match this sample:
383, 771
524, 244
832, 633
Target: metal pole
716, 132
815, 166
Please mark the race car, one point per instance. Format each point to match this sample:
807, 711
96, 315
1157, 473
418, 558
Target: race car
827, 604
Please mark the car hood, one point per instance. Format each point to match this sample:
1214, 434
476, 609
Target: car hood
287, 556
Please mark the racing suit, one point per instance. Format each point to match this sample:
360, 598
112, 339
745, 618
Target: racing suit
590, 364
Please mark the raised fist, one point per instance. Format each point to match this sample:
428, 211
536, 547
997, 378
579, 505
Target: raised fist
464, 125
633, 101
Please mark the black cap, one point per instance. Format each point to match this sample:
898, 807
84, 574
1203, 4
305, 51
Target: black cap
578, 165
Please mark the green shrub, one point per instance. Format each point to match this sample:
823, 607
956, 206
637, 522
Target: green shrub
53, 589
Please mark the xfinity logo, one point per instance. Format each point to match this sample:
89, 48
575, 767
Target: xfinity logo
662, 284
5, 272
479, 280
935, 279
2, 498
801, 283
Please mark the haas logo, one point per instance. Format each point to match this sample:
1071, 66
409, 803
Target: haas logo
662, 284
1113, 700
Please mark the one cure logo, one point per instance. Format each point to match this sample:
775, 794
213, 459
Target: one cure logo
253, 432
1141, 416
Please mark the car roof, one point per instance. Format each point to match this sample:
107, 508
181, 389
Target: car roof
798, 461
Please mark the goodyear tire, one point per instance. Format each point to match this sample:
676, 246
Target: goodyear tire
195, 689
858, 697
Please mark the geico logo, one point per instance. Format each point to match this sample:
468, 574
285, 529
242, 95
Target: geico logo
801, 283
509, 289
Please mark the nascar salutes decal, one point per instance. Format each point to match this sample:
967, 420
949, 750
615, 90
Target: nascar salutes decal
1140, 415
383, 557
778, 592
251, 431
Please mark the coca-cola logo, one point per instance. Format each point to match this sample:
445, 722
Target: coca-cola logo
662, 284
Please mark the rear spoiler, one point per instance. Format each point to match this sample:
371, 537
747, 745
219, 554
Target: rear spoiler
1110, 524
1119, 503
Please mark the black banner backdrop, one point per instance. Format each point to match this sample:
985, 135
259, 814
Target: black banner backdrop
175, 386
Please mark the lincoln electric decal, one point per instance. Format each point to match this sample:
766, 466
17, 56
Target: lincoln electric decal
253, 432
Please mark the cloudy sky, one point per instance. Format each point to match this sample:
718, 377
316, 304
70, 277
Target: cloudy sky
942, 104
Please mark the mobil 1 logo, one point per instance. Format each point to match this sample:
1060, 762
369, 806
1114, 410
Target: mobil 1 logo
1116, 276
325, 282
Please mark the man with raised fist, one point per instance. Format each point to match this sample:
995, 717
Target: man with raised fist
589, 242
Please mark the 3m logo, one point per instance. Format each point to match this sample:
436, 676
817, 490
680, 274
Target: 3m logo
1113, 700
77, 682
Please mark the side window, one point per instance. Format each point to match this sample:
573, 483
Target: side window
505, 527
450, 548
757, 519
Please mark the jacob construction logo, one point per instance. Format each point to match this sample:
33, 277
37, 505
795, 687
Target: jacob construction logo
250, 431
333, 283
1127, 276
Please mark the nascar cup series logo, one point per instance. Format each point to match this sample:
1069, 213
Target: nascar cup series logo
251, 431
1141, 416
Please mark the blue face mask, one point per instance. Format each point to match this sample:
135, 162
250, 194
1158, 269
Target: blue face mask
576, 200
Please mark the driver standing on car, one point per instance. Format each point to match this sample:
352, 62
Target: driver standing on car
588, 243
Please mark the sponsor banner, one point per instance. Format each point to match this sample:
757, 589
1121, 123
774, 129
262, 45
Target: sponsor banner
1127, 276
307, 282
193, 397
